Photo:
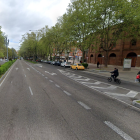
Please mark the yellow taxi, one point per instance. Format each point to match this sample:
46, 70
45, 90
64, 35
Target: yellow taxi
77, 66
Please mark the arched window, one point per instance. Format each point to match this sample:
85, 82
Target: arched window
132, 54
112, 55
100, 55
91, 55
133, 42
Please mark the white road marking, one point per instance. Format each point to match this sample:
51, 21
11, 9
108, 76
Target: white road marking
31, 91
28, 69
51, 81
53, 73
87, 79
84, 105
110, 87
97, 83
11, 82
57, 85
25, 75
116, 94
67, 93
16, 68
50, 73
40, 66
46, 77
132, 94
92, 85
118, 131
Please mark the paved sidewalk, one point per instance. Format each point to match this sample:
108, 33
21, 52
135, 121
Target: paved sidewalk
124, 75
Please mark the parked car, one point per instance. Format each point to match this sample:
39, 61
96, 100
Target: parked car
58, 63
44, 61
65, 64
49, 62
77, 66
38, 60
53, 62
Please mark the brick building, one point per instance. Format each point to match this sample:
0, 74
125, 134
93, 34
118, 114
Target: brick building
130, 48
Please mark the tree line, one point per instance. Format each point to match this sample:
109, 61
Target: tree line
3, 50
96, 24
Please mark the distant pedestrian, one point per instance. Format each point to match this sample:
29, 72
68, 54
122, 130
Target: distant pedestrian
138, 78
98, 64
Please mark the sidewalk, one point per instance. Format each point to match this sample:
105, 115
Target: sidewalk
123, 75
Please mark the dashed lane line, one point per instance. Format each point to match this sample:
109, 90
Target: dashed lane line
30, 90
67, 93
57, 85
84, 105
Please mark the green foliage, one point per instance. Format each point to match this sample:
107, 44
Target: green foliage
6, 66
87, 23
85, 64
1, 55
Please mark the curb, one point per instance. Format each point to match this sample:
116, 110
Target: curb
136, 104
3, 75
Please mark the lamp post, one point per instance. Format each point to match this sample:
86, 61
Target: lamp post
6, 43
36, 43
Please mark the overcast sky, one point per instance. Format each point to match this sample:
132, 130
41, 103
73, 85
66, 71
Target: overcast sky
17, 17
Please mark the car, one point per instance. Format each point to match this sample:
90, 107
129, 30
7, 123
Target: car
58, 63
77, 66
48, 62
44, 61
38, 60
65, 64
53, 62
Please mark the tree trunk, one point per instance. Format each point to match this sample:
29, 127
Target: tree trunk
106, 58
83, 56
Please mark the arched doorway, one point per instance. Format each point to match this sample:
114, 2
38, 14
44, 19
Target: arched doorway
91, 58
132, 56
99, 58
112, 59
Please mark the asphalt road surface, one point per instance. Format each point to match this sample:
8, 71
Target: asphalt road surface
47, 102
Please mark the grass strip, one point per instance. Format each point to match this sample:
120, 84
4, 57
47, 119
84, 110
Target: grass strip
138, 102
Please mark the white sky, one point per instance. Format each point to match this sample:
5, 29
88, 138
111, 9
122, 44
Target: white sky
17, 17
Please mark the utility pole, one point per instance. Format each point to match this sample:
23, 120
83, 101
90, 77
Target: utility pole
6, 43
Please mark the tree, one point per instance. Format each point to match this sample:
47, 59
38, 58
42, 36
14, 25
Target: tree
111, 23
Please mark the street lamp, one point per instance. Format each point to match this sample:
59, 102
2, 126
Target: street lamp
6, 43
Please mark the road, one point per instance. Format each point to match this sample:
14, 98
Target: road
46, 102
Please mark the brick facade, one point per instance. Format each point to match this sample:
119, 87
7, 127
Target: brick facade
130, 48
